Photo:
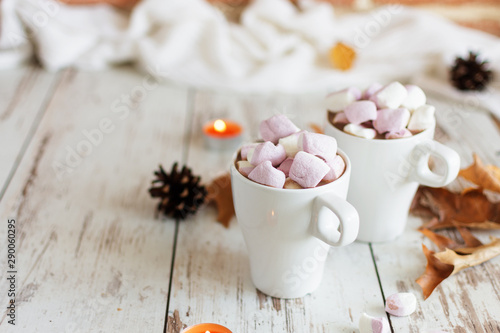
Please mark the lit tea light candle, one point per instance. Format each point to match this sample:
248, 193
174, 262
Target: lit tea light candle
206, 328
222, 134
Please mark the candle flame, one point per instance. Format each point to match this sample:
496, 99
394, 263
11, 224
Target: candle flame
220, 126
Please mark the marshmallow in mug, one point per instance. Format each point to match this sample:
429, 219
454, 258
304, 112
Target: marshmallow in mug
291, 158
393, 111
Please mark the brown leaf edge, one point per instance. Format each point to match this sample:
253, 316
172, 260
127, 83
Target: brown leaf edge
484, 176
435, 273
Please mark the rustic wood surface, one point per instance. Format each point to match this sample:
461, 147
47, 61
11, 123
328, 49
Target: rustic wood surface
78, 152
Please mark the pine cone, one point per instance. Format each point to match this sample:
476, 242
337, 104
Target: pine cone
470, 74
180, 192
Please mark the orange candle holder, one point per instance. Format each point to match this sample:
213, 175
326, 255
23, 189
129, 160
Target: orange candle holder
222, 134
206, 328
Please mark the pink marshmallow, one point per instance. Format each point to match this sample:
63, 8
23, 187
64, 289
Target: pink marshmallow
267, 151
340, 118
277, 127
391, 120
308, 170
337, 167
401, 304
318, 144
285, 166
404, 133
265, 174
372, 89
369, 324
244, 150
361, 111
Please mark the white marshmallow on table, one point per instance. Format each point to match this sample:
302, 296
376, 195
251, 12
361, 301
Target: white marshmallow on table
416, 97
337, 167
404, 133
422, 118
244, 167
291, 143
391, 96
308, 170
362, 132
360, 112
266, 151
340, 118
391, 120
244, 150
277, 127
337, 101
369, 324
291, 184
372, 89
266, 174
401, 304
318, 144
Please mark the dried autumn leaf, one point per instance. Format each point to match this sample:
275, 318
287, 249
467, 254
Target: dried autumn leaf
454, 258
444, 242
471, 209
435, 273
220, 193
484, 176
342, 56
441, 241
469, 239
472, 256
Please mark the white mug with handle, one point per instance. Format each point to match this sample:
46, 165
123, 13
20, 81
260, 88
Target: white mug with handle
386, 174
288, 232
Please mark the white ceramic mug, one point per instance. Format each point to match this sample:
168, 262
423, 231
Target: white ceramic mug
386, 175
288, 231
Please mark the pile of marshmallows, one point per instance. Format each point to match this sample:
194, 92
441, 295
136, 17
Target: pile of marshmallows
290, 158
393, 111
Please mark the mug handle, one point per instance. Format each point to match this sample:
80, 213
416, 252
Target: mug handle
421, 172
327, 230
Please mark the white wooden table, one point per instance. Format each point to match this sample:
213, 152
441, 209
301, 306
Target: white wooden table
91, 257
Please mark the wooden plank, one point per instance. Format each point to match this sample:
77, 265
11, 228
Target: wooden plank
468, 301
211, 279
91, 255
24, 93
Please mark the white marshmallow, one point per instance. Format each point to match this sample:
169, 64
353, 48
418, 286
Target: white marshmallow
250, 152
244, 167
416, 97
358, 130
337, 101
422, 118
291, 184
340, 118
401, 304
391, 96
369, 324
290, 143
